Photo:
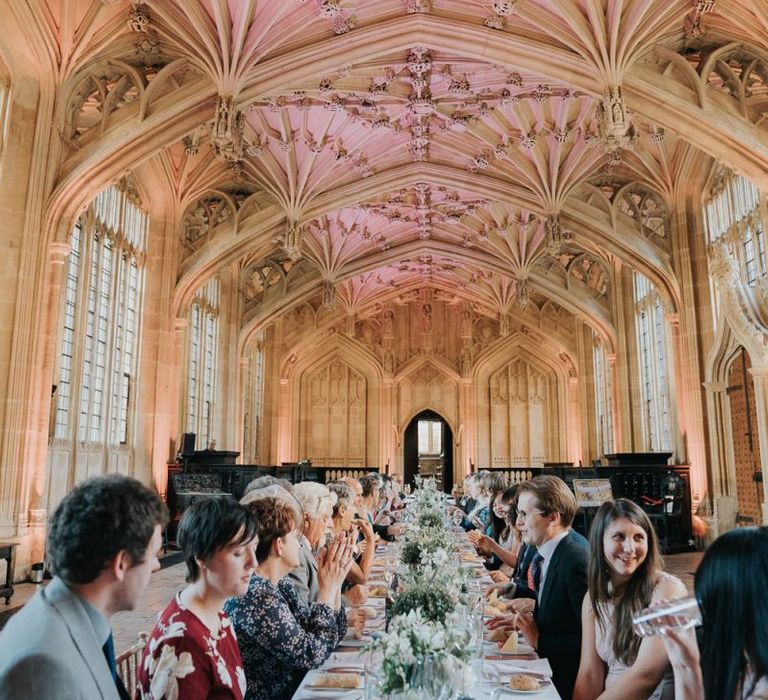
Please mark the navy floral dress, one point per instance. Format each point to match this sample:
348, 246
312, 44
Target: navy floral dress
281, 637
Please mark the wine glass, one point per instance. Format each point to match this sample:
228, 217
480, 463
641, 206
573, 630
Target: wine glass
458, 518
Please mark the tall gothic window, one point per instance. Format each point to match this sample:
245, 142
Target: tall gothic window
203, 358
101, 305
654, 365
734, 212
603, 392
254, 405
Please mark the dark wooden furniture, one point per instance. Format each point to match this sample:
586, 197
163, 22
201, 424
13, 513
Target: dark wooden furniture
7, 552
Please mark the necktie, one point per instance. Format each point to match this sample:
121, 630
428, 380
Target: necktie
534, 573
109, 655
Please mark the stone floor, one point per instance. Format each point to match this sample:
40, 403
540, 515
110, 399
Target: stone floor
166, 582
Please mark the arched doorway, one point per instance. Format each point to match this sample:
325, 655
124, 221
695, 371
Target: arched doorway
428, 449
746, 446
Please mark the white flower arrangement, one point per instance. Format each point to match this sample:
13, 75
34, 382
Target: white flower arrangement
412, 638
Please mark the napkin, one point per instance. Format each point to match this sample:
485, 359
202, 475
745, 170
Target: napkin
540, 666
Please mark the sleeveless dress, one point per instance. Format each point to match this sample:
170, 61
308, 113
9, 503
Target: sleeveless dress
604, 643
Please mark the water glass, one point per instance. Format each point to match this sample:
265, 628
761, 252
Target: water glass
677, 614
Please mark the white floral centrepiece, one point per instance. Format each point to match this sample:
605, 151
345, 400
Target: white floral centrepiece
431, 621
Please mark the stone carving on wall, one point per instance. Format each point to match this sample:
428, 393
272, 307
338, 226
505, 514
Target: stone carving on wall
648, 209
736, 308
261, 278
519, 415
204, 216
592, 273
427, 387
227, 130
99, 94
334, 414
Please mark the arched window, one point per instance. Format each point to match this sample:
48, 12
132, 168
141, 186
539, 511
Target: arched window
203, 341
735, 212
254, 405
603, 391
101, 308
654, 366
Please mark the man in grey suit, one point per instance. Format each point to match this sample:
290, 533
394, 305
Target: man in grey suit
102, 545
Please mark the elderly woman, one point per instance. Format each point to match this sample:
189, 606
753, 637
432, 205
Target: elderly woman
316, 503
280, 636
344, 520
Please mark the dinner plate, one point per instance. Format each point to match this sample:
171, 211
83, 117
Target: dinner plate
354, 642
321, 689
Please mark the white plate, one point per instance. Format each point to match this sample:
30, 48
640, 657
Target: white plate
354, 642
491, 649
322, 689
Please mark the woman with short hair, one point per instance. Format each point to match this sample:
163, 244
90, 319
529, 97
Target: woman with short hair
192, 651
624, 576
280, 636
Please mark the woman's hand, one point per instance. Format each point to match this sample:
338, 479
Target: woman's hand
366, 528
498, 587
498, 577
683, 653
333, 563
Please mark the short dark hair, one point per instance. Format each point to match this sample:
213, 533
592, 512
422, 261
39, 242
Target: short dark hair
98, 519
553, 496
209, 525
276, 519
370, 482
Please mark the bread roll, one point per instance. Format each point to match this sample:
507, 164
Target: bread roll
521, 681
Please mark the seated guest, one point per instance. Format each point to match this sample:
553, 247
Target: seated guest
469, 499
192, 652
731, 661
369, 504
102, 546
261, 482
489, 484
344, 521
502, 542
624, 576
546, 508
280, 636
316, 503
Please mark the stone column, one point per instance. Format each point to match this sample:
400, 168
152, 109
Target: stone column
760, 379
241, 391
722, 482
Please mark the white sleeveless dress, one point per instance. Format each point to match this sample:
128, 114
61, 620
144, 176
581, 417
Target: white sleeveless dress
604, 643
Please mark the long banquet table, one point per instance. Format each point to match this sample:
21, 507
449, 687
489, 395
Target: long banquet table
497, 668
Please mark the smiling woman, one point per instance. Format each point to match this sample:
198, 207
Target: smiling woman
624, 576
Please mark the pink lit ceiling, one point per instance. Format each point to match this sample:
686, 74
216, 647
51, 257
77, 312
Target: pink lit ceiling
486, 147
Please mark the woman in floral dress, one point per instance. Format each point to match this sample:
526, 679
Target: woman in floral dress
192, 652
280, 636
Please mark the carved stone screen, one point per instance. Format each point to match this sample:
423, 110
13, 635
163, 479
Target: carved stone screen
521, 401
334, 413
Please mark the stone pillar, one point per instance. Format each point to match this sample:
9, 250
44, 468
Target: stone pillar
241, 391
722, 484
760, 379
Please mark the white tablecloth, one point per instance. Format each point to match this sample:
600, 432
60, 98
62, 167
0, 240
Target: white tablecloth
493, 668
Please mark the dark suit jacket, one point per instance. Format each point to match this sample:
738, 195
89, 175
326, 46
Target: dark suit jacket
558, 612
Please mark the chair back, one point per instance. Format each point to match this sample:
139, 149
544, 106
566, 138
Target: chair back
128, 663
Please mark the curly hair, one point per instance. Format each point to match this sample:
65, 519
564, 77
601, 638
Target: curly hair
275, 519
98, 519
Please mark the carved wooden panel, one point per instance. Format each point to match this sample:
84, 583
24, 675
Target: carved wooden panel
334, 401
520, 413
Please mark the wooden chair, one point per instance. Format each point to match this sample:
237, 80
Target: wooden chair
128, 663
666, 513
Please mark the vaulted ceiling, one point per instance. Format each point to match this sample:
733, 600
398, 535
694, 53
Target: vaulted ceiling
506, 152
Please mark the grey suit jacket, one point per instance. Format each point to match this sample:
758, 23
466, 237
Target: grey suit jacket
50, 649
304, 576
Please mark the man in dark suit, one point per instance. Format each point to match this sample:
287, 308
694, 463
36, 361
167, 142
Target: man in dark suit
558, 576
102, 545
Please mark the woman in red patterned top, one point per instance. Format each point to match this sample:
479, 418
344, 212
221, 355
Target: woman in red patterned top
192, 652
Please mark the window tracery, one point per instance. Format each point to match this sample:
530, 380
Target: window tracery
102, 302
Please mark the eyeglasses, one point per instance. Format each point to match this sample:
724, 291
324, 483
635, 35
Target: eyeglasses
522, 515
